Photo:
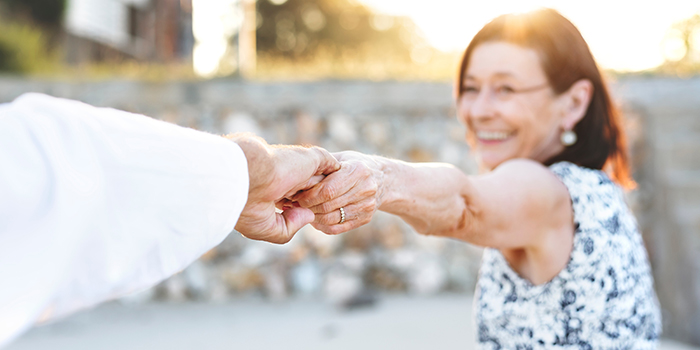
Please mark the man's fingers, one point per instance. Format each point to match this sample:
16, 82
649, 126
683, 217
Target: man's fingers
343, 155
284, 227
285, 203
295, 219
328, 163
311, 182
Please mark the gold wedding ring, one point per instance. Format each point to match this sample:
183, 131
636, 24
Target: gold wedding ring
342, 215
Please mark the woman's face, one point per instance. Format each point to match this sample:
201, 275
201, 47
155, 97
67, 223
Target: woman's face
508, 106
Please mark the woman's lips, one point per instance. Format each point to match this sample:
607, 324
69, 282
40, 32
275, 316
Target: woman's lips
493, 137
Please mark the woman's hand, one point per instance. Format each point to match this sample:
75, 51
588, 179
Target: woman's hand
357, 188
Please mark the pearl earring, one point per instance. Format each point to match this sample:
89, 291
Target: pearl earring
568, 138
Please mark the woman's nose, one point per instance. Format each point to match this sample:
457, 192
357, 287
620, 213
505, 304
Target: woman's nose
481, 106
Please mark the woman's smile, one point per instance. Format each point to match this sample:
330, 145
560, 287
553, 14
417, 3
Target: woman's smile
493, 137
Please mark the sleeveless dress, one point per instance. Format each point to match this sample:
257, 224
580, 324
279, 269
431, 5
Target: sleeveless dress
602, 299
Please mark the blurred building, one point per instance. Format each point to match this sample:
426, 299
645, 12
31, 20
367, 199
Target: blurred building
115, 30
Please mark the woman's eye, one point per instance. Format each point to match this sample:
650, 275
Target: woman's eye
505, 90
470, 89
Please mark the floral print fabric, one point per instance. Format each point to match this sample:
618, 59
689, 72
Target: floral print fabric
602, 299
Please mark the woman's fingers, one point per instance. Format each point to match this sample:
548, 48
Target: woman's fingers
334, 217
333, 186
335, 229
363, 191
354, 222
354, 187
353, 182
313, 181
356, 215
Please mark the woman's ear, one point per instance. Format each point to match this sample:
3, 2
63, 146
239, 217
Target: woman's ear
576, 102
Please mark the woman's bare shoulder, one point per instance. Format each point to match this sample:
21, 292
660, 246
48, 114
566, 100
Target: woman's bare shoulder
533, 175
526, 200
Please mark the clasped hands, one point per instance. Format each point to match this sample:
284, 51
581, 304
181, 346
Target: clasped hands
309, 186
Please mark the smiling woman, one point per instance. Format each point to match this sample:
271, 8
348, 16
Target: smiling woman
554, 61
507, 77
564, 264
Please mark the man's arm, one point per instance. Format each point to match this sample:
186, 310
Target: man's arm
96, 203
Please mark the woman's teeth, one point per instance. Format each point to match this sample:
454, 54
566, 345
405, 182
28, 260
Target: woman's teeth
492, 135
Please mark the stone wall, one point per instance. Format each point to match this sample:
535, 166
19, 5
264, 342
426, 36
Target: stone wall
668, 155
410, 121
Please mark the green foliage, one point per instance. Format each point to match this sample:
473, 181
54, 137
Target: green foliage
43, 12
130, 70
302, 28
341, 39
23, 50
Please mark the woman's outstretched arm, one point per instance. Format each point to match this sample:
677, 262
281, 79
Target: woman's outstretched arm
520, 204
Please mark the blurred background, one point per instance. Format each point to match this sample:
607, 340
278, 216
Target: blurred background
368, 75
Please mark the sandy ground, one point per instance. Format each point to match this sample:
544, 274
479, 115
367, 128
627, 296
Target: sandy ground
405, 323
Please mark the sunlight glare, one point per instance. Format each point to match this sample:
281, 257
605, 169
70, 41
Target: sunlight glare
213, 22
623, 35
673, 47
207, 56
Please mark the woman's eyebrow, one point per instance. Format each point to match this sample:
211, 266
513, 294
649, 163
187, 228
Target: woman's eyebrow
503, 74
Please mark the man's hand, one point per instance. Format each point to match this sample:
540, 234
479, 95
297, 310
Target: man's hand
276, 173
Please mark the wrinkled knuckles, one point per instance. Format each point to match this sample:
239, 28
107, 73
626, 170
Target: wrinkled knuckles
366, 207
364, 171
371, 206
328, 192
370, 187
325, 219
327, 208
316, 209
304, 200
374, 204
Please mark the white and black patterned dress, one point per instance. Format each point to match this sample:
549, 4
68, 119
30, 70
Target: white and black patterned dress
602, 299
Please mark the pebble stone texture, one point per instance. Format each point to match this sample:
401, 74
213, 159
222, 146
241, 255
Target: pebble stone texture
415, 122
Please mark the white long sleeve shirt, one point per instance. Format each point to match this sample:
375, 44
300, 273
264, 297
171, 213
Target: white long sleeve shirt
96, 203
